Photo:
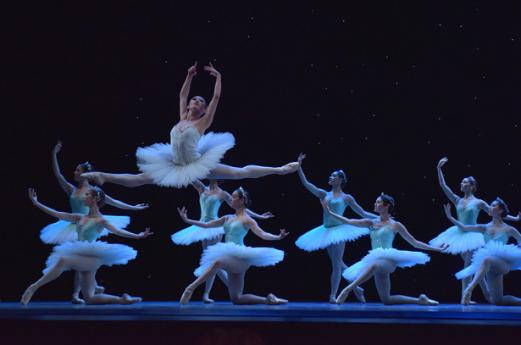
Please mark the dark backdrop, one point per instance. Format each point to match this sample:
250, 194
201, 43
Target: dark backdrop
382, 91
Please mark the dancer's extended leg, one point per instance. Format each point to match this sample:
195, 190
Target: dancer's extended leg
227, 172
383, 287
88, 289
127, 180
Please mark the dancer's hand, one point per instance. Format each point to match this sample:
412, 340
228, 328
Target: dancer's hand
448, 212
283, 234
192, 71
212, 70
443, 247
57, 148
183, 213
442, 162
301, 158
267, 215
518, 218
32, 195
142, 206
145, 233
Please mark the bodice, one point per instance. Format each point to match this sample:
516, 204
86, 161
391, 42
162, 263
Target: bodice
382, 237
468, 214
234, 231
89, 231
184, 145
210, 204
336, 205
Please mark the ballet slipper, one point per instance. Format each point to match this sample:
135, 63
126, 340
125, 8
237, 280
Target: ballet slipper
187, 295
127, 299
359, 294
424, 300
274, 300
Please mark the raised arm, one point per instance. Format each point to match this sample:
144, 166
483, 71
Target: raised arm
198, 186
361, 223
206, 121
64, 184
441, 179
358, 209
185, 90
71, 217
125, 233
476, 227
406, 235
228, 199
319, 193
124, 206
211, 224
266, 235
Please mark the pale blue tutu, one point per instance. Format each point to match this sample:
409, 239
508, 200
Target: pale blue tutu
459, 241
194, 234
321, 237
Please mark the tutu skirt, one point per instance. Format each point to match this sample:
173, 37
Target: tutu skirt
64, 231
459, 241
194, 234
402, 258
108, 253
247, 256
321, 236
507, 252
157, 161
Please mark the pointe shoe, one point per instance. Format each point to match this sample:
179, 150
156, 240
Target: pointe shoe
127, 299
207, 300
99, 289
274, 300
95, 177
332, 299
186, 296
77, 300
465, 298
359, 294
290, 168
424, 300
28, 294
343, 296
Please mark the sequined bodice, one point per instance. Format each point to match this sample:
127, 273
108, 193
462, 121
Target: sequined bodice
89, 231
77, 204
234, 231
499, 236
467, 214
336, 205
382, 237
210, 204
184, 145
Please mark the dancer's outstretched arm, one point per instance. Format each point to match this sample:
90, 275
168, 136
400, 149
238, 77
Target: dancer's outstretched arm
464, 227
125, 233
406, 235
361, 223
318, 192
513, 232
64, 184
185, 90
211, 224
198, 186
71, 217
441, 179
350, 200
206, 121
124, 206
266, 235
228, 199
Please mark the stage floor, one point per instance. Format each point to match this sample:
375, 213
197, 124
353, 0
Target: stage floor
295, 312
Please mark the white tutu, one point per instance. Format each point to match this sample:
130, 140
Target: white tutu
321, 236
194, 234
402, 258
259, 256
64, 231
157, 160
459, 241
507, 252
109, 253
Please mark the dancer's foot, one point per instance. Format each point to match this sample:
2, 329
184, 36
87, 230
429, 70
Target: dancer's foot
187, 295
332, 299
289, 168
28, 294
273, 300
127, 299
207, 299
343, 296
96, 177
465, 298
77, 300
359, 294
99, 289
424, 300
473, 302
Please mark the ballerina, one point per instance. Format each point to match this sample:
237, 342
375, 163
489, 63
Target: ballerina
211, 198
86, 254
333, 234
63, 231
232, 255
191, 154
495, 259
383, 259
468, 207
